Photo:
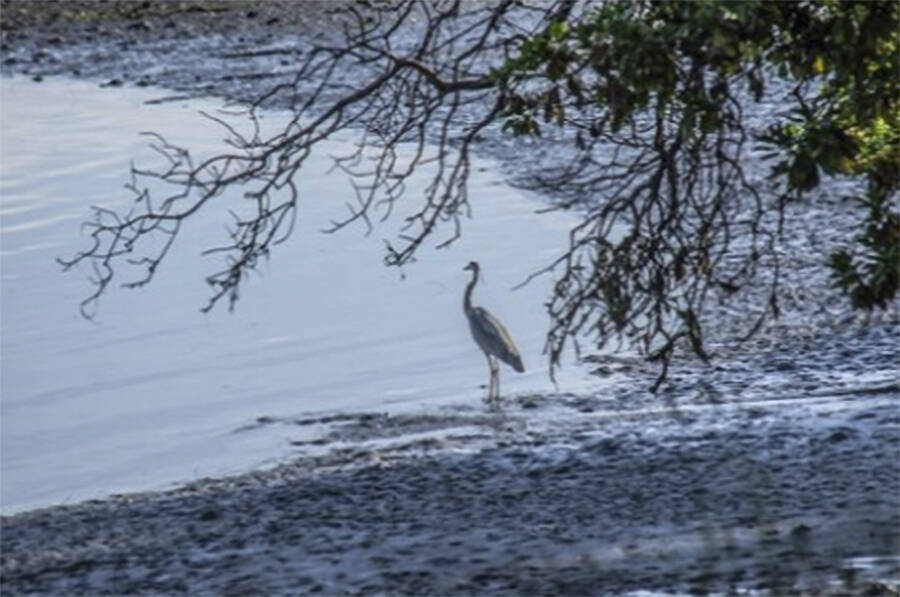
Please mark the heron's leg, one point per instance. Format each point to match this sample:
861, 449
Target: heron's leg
495, 378
491, 381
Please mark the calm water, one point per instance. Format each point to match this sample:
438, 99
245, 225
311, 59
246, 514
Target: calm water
153, 391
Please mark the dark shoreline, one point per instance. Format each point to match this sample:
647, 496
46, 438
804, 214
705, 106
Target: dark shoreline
193, 47
775, 491
750, 497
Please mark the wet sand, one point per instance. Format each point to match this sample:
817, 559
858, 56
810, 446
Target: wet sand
750, 500
790, 490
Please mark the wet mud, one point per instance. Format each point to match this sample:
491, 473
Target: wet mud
191, 48
779, 488
774, 469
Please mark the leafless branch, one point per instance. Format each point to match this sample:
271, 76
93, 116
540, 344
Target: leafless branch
671, 221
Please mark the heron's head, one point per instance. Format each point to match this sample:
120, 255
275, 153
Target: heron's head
473, 266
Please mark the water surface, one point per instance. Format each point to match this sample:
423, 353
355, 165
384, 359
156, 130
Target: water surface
152, 392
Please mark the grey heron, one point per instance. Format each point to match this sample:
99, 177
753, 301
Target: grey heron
491, 336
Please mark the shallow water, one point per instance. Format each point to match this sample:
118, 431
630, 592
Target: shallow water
153, 391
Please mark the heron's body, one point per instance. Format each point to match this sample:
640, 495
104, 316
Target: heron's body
491, 336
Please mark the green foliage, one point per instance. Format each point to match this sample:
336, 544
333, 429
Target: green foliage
871, 279
631, 62
628, 57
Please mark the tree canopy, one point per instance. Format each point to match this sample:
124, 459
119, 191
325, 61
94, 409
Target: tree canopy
680, 168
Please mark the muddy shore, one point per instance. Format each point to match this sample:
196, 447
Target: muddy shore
773, 470
194, 48
787, 486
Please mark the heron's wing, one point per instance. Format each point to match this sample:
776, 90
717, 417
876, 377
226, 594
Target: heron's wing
493, 338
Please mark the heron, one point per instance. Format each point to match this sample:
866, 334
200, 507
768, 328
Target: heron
491, 336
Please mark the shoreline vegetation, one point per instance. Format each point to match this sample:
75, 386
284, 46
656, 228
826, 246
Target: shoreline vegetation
761, 473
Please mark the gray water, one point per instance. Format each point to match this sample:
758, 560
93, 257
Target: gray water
152, 391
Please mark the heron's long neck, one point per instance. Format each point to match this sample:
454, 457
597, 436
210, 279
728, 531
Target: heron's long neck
467, 297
